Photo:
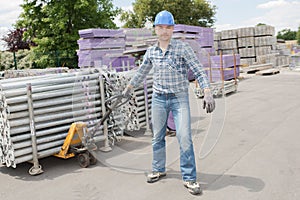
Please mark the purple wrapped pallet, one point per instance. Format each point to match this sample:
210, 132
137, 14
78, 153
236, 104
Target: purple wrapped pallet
187, 28
92, 33
137, 32
228, 67
209, 50
98, 53
85, 63
108, 61
101, 43
206, 38
116, 62
228, 61
184, 36
216, 74
203, 57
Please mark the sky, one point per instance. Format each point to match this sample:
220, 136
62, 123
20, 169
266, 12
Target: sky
230, 14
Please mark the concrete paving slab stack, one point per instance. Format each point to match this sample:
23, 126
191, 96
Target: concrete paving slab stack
256, 45
246, 46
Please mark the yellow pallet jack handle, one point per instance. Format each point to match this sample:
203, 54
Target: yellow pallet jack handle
74, 136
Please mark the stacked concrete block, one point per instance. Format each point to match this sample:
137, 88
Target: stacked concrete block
217, 41
246, 47
265, 42
255, 45
228, 41
264, 30
283, 55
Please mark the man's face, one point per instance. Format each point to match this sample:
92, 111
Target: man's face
164, 32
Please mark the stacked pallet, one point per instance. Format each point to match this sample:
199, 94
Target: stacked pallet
103, 47
136, 38
201, 38
224, 68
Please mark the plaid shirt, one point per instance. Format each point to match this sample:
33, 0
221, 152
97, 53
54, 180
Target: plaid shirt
170, 69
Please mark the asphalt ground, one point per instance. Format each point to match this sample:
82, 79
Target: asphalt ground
256, 140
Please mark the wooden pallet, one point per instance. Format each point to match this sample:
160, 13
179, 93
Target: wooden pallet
256, 68
268, 72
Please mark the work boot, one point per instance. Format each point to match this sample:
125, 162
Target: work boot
155, 176
193, 187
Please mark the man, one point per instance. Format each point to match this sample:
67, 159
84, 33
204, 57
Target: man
170, 60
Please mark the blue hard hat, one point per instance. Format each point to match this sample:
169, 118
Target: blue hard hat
164, 18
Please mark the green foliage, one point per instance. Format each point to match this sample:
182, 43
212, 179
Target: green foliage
53, 26
287, 34
298, 36
23, 58
190, 12
261, 24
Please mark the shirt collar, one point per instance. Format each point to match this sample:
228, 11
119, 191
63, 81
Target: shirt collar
171, 44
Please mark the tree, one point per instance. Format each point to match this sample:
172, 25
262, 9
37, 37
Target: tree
53, 25
261, 24
190, 12
298, 36
15, 41
287, 34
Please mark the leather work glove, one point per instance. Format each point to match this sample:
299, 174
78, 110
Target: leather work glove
208, 102
127, 92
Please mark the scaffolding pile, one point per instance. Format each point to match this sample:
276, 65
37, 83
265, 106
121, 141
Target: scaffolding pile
36, 112
136, 113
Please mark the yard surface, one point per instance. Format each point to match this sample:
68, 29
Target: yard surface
256, 156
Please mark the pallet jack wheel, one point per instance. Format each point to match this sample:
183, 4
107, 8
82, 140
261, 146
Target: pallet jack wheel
83, 160
93, 160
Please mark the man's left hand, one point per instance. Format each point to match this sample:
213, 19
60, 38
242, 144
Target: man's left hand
208, 102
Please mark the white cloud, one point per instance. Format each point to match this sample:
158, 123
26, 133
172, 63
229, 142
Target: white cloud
3, 32
272, 4
9, 12
117, 19
282, 14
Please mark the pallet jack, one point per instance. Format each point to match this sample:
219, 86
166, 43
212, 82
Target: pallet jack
80, 142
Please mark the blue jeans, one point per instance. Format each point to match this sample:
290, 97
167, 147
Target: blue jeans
178, 103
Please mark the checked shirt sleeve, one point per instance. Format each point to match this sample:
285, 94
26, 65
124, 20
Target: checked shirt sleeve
142, 71
197, 68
